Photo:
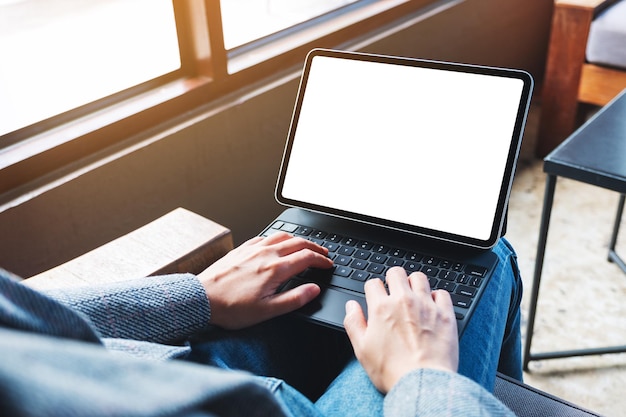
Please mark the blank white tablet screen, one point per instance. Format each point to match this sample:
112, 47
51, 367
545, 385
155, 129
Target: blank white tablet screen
413, 145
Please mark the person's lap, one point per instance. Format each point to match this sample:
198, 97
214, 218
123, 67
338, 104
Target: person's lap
306, 356
309, 357
492, 339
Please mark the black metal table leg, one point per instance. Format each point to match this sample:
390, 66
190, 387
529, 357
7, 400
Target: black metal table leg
548, 199
613, 256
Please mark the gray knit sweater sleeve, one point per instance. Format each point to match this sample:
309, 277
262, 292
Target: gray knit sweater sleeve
428, 392
162, 309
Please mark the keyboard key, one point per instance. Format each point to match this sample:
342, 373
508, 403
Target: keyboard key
380, 249
342, 260
277, 225
466, 291
446, 285
304, 231
333, 237
413, 256
348, 241
398, 253
476, 281
343, 271
287, 227
365, 245
359, 264
376, 268
445, 264
378, 258
318, 234
395, 262
412, 266
360, 276
431, 260
362, 254
460, 301
463, 279
431, 271
346, 250
448, 275
331, 246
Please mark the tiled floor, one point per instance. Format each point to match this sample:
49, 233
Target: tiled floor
582, 295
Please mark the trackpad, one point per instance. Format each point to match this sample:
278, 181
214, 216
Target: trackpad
329, 308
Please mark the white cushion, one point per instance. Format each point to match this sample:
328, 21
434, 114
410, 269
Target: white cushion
607, 37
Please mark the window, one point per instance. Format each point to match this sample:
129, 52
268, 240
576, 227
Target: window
246, 21
79, 76
62, 54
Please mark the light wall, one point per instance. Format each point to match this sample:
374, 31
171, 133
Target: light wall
222, 161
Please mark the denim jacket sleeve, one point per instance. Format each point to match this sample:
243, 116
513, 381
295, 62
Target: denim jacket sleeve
428, 392
163, 309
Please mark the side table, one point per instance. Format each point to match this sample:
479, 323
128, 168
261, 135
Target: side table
594, 154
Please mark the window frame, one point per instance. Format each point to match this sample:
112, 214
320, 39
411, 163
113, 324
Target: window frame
37, 151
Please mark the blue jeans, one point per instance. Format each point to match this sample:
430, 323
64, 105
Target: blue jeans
312, 370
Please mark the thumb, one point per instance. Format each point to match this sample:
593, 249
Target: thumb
293, 299
354, 322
